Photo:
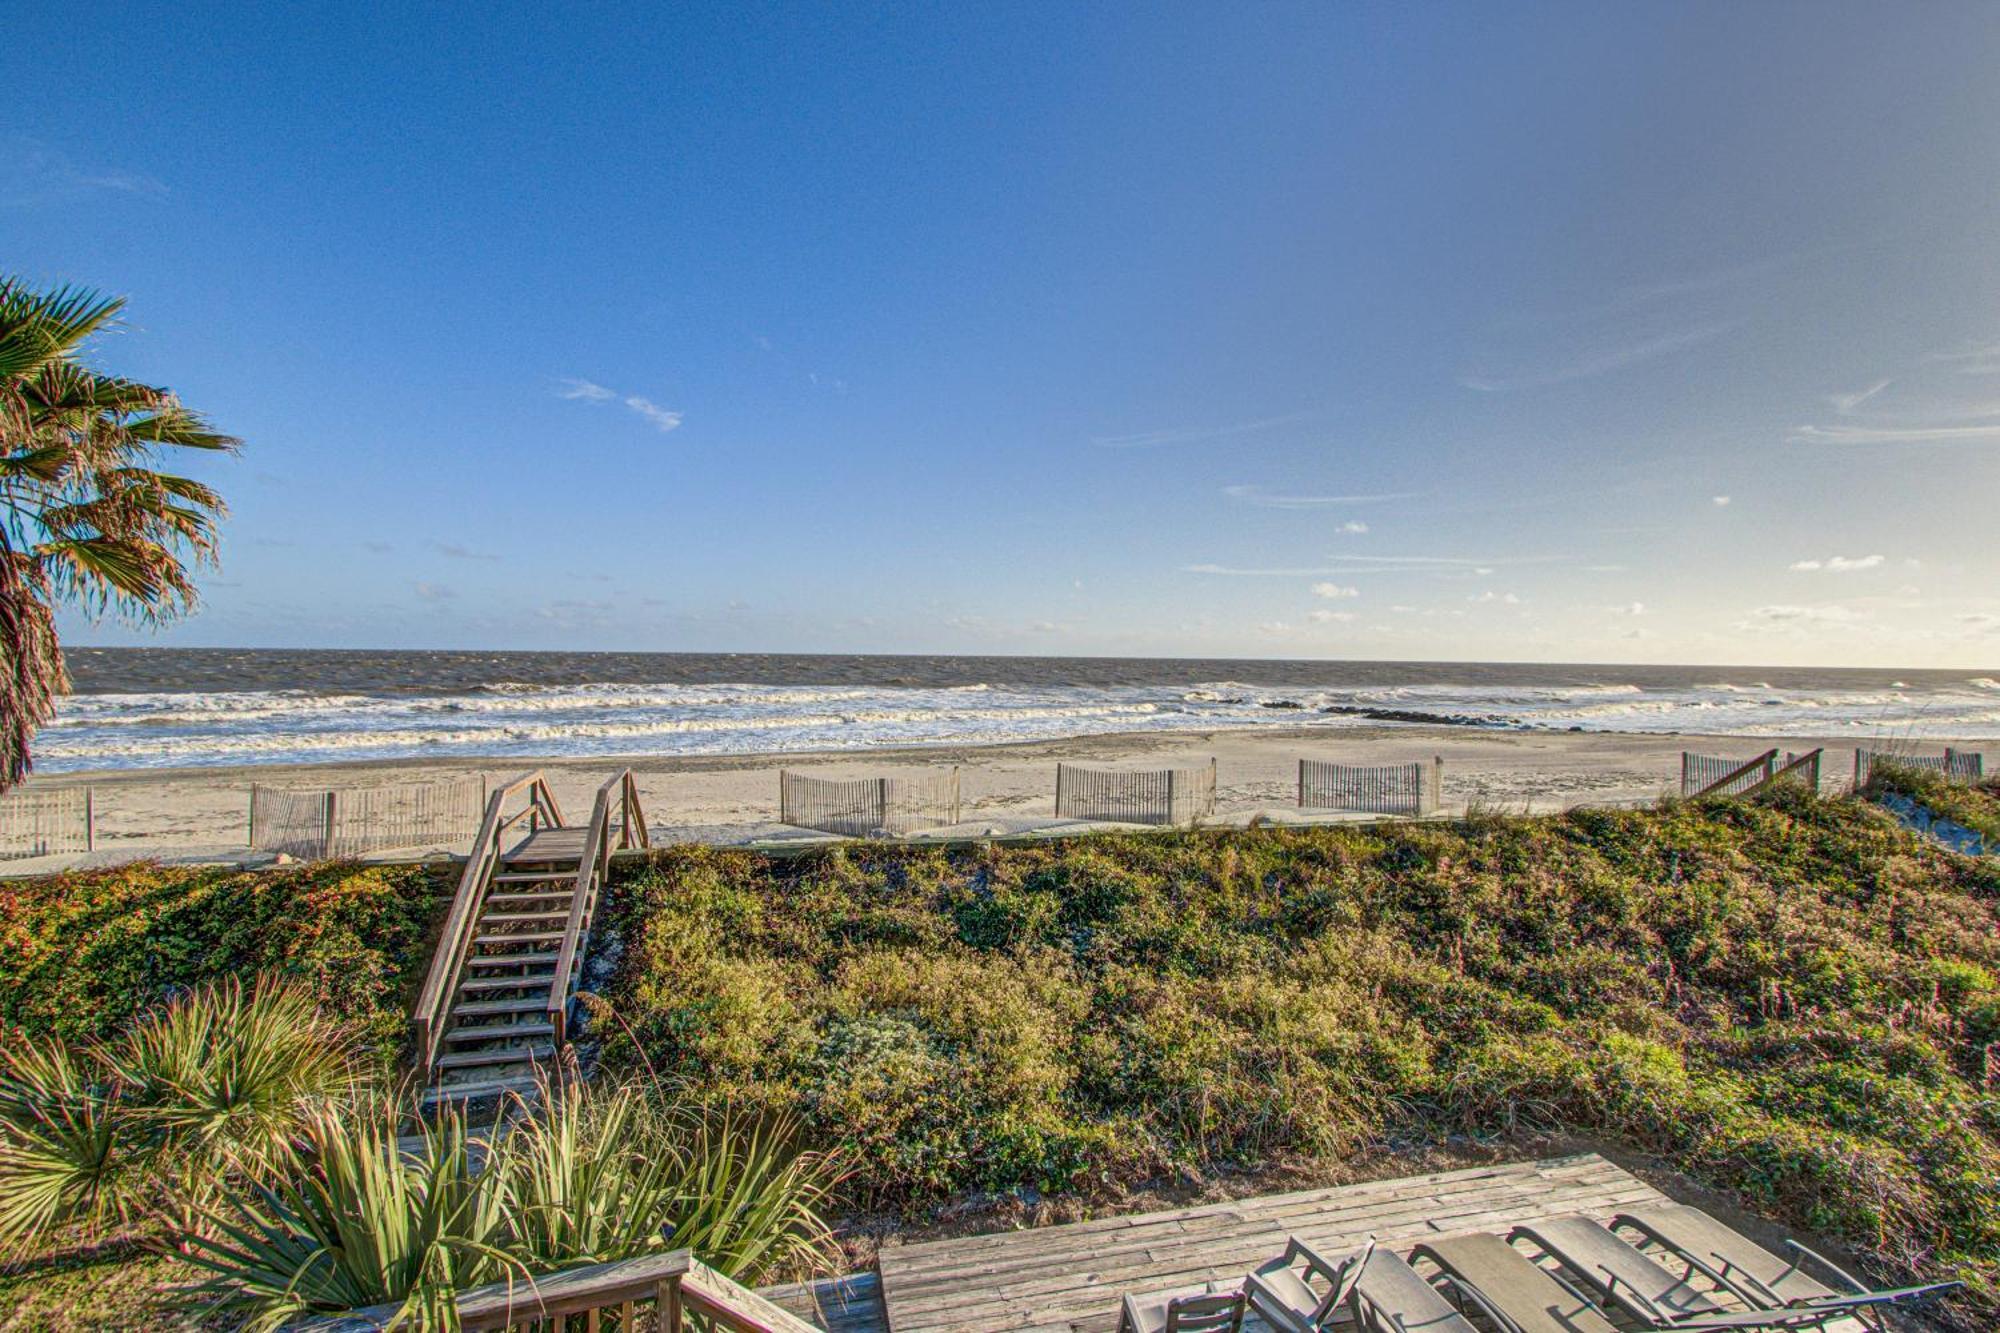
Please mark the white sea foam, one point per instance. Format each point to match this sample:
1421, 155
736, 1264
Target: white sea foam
140, 730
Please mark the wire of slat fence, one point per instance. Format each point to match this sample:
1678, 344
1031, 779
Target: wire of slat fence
1700, 773
365, 819
1386, 789
1958, 765
869, 807
44, 821
1135, 796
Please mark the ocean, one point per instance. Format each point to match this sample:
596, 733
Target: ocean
171, 707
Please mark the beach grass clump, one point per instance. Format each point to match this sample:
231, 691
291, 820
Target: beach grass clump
1976, 805
83, 952
1790, 997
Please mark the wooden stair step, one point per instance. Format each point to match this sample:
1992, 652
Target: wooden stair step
534, 876
505, 983
509, 959
497, 1056
518, 937
492, 1031
566, 891
473, 1090
512, 918
475, 1008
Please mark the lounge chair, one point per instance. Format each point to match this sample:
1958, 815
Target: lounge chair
1389, 1296
1615, 1272
1286, 1298
1196, 1310
1762, 1279
1508, 1289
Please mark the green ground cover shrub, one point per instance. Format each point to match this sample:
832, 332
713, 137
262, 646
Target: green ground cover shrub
82, 953
1976, 805
1791, 997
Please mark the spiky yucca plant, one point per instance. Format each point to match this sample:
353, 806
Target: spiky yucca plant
367, 1221
587, 1175
220, 1083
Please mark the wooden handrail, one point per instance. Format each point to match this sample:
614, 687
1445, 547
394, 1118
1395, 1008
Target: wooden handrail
591, 870
1761, 761
675, 1279
433, 1005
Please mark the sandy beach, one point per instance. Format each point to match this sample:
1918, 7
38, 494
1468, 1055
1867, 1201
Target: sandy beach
1006, 788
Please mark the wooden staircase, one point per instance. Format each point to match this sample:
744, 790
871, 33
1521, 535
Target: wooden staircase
496, 1004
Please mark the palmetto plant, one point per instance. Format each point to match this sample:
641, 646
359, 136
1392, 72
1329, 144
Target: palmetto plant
86, 516
220, 1083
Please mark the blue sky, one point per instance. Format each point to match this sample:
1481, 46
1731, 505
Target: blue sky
1562, 332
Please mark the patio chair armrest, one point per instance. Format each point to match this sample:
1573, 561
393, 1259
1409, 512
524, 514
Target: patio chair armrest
1128, 1315
1841, 1274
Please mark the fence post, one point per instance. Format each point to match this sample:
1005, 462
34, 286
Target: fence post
1171, 818
882, 802
332, 814
252, 840
1059, 787
89, 819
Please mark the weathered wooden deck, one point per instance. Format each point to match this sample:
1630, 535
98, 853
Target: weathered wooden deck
1069, 1279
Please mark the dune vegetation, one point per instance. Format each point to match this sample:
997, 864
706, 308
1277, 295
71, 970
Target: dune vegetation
1791, 998
1976, 805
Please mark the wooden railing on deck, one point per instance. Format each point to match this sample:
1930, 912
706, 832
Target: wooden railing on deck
600, 1298
623, 792
433, 1007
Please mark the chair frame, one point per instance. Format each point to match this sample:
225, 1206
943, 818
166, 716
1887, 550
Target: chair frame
1339, 1277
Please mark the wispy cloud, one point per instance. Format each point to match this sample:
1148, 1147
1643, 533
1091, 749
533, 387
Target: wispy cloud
1600, 360
1372, 564
1719, 501
1257, 495
1791, 618
589, 391
1152, 439
1988, 433
1334, 591
585, 391
1352, 528
1837, 564
1502, 598
1846, 403
1976, 359
33, 173
456, 551
661, 418
1326, 617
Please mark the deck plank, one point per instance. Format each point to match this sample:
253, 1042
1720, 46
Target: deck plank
1068, 1279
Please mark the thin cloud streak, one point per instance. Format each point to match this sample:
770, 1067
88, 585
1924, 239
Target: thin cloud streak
1601, 362
1256, 495
1865, 435
1153, 439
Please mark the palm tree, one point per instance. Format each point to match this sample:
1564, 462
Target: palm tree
86, 518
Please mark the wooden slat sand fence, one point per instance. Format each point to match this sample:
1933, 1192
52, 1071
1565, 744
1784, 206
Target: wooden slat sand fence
365, 819
1958, 765
869, 807
43, 821
1716, 775
1394, 789
1136, 796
